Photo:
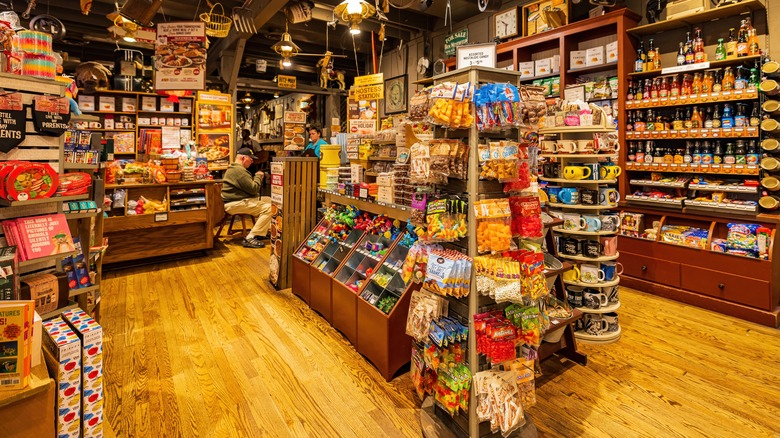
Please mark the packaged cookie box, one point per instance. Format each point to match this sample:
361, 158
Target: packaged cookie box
91, 335
62, 353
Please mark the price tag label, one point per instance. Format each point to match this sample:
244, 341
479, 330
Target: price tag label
673, 167
683, 133
664, 133
715, 95
705, 132
738, 93
726, 94
752, 131
646, 164
161, 217
664, 100
717, 166
704, 95
654, 100
694, 132
673, 99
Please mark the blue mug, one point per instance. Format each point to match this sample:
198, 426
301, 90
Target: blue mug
611, 270
552, 193
592, 223
569, 195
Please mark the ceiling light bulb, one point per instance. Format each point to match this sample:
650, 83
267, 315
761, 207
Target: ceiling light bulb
276, 95
286, 48
286, 62
247, 106
354, 28
129, 38
354, 7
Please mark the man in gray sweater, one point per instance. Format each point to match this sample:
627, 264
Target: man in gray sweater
241, 194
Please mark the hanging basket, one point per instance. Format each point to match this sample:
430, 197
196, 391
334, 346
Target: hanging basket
217, 25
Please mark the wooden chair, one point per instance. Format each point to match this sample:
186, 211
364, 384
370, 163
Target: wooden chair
230, 219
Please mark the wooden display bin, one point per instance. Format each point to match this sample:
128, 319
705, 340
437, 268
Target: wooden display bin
344, 299
322, 269
383, 339
301, 268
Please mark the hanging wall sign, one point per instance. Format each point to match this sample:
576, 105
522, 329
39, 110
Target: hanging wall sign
51, 114
454, 40
12, 121
286, 81
482, 55
180, 56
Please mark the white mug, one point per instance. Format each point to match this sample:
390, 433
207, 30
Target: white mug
548, 147
573, 221
591, 274
567, 146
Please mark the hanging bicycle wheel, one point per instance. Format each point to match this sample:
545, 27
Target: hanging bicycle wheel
488, 5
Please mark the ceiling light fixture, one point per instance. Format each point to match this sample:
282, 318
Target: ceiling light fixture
286, 47
353, 12
276, 95
128, 27
248, 99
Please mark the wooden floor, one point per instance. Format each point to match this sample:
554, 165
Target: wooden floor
205, 348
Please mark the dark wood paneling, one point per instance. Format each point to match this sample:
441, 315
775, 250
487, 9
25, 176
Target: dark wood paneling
729, 287
344, 312
300, 279
650, 269
320, 292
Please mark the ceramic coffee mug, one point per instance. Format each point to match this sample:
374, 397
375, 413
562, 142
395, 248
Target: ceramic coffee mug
551, 170
611, 270
574, 295
570, 246
609, 245
594, 300
585, 146
573, 221
592, 249
610, 172
589, 197
594, 324
548, 147
95, 125
592, 223
594, 170
576, 172
552, 193
569, 195
612, 322
591, 274
566, 147
608, 196
610, 221
572, 274
613, 293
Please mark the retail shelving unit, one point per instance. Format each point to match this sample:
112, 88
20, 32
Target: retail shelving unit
739, 286
46, 149
308, 250
595, 209
324, 267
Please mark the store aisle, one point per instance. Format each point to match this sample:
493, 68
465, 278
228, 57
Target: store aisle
205, 347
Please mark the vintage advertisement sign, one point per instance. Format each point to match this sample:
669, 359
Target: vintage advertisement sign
180, 56
454, 40
286, 81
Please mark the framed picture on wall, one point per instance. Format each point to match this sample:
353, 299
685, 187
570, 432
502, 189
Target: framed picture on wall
395, 95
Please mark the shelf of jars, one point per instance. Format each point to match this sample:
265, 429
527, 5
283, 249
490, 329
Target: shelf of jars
718, 169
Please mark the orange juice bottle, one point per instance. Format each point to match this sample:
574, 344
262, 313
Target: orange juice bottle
696, 84
706, 84
728, 80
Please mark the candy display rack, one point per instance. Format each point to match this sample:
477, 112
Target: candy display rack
322, 269
382, 334
350, 279
302, 259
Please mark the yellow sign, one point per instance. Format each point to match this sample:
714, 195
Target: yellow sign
370, 92
285, 81
378, 78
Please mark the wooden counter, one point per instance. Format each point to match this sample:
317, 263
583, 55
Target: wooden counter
137, 237
29, 412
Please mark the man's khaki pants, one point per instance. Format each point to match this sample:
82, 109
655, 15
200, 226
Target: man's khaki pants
259, 208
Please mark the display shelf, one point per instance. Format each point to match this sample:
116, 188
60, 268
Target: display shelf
80, 166
694, 99
6, 203
579, 181
668, 203
270, 141
70, 216
710, 65
394, 211
111, 130
692, 134
533, 78
41, 260
577, 129
722, 206
698, 18
383, 142
589, 259
382, 158
186, 113
581, 207
650, 183
121, 113
74, 118
553, 272
556, 324
58, 312
716, 169
585, 233
614, 282
599, 339
606, 309
611, 156
76, 292
724, 188
593, 69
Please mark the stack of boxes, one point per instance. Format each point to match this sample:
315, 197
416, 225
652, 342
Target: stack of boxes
594, 56
74, 355
385, 192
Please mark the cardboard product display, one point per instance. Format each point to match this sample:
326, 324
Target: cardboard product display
62, 352
91, 335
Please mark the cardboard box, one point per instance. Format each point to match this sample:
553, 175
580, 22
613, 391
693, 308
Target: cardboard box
594, 56
91, 335
37, 345
526, 69
386, 194
612, 52
384, 179
542, 67
62, 352
555, 64
577, 59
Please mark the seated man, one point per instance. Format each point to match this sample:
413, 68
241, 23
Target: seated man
240, 192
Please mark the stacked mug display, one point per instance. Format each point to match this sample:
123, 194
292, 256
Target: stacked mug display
605, 196
591, 248
594, 273
585, 298
598, 144
770, 131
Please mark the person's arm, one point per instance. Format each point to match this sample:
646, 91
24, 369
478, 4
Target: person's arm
250, 184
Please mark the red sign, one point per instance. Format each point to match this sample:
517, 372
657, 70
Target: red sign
276, 180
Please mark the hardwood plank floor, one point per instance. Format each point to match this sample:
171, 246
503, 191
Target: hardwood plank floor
206, 348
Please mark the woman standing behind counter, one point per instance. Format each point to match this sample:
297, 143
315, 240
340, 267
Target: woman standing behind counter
315, 137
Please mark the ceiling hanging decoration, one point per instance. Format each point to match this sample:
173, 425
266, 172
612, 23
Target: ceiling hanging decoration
353, 12
217, 25
140, 12
286, 48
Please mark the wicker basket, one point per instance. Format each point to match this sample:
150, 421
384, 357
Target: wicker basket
217, 25
173, 176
